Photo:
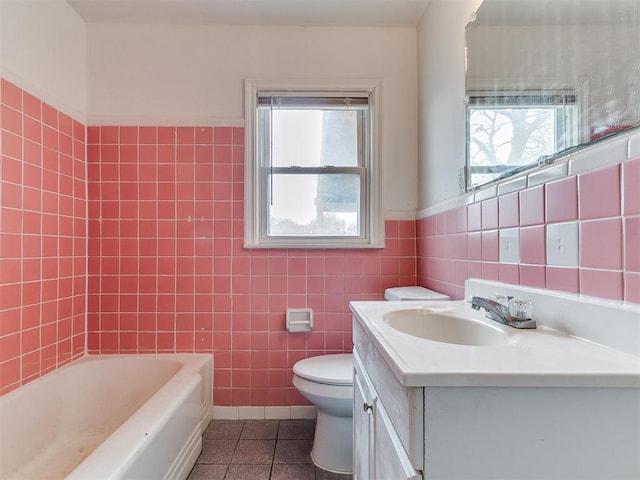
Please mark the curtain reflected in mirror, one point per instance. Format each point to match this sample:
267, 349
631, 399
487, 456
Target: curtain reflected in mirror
545, 77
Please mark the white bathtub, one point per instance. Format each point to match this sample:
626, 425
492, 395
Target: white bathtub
108, 417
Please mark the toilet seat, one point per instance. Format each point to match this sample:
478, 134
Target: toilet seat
334, 369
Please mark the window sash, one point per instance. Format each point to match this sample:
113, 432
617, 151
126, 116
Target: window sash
267, 170
264, 138
313, 100
363, 217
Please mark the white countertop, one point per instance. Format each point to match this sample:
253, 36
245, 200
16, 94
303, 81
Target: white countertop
532, 358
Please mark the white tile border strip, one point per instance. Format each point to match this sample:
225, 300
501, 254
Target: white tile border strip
294, 412
624, 146
162, 121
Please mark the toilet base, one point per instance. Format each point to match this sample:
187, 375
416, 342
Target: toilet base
333, 443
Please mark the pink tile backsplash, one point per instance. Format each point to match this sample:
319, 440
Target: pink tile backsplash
609, 242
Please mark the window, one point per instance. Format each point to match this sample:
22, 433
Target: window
312, 172
508, 133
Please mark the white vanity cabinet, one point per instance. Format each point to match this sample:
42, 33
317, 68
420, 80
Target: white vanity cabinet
476, 420
378, 452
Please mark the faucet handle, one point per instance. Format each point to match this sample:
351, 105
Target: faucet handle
503, 299
520, 309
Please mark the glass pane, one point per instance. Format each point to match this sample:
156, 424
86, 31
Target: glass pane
504, 139
310, 205
314, 138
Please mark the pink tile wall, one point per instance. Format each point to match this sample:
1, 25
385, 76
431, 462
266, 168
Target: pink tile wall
42, 238
606, 204
168, 272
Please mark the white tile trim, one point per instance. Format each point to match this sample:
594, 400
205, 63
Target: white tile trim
264, 413
400, 215
622, 147
162, 121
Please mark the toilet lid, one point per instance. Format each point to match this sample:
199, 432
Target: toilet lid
334, 369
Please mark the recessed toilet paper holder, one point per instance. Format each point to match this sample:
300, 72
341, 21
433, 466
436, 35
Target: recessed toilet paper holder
299, 320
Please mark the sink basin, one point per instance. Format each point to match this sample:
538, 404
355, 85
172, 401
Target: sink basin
446, 327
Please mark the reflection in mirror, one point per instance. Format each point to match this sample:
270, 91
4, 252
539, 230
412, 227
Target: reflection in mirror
544, 77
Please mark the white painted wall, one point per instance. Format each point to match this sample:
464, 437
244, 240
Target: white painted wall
43, 51
441, 111
171, 74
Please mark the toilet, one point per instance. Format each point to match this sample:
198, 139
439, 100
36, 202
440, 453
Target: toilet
327, 382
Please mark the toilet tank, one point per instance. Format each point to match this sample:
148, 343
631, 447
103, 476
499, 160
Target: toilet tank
413, 293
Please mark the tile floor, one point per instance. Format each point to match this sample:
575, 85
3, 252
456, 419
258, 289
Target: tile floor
259, 450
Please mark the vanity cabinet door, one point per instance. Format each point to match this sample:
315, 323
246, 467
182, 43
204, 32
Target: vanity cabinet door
378, 452
363, 404
390, 459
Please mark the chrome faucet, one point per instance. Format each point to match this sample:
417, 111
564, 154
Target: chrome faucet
500, 313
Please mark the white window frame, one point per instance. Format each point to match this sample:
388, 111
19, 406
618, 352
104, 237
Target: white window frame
372, 210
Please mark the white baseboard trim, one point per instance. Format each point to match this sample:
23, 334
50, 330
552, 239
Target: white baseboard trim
294, 412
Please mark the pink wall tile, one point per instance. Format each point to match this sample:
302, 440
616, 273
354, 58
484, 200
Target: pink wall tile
632, 287
474, 217
563, 279
461, 219
632, 244
474, 246
508, 210
601, 244
42, 236
490, 214
561, 200
11, 95
509, 273
533, 275
145, 200
601, 283
533, 245
599, 193
490, 246
630, 188
532, 206
490, 271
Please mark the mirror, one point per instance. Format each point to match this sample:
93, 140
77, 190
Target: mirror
544, 77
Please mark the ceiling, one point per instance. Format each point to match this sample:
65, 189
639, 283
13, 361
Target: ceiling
254, 12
